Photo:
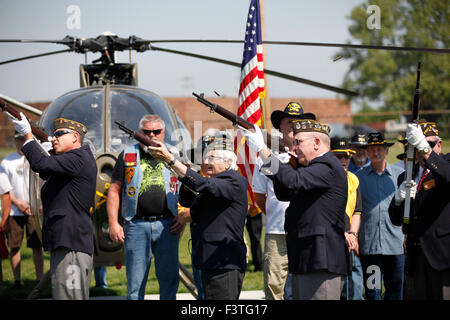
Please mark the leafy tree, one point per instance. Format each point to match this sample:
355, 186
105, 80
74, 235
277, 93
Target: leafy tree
386, 79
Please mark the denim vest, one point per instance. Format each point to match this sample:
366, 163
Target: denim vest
130, 190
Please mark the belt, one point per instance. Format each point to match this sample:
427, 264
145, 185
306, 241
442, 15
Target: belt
150, 218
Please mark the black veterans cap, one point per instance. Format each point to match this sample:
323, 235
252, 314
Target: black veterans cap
429, 129
359, 139
294, 110
341, 145
377, 138
220, 143
70, 124
309, 125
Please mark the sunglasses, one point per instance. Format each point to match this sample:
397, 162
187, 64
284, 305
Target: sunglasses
433, 143
342, 155
58, 134
155, 132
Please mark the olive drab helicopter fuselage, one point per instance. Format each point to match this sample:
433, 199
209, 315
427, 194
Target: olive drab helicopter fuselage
98, 104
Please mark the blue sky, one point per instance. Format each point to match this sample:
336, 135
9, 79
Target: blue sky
44, 79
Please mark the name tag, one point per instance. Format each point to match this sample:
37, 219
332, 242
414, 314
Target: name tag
429, 184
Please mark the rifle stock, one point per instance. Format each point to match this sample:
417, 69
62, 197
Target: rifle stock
38, 133
410, 153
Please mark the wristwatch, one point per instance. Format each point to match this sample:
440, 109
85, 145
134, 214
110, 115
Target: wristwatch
172, 162
425, 150
354, 233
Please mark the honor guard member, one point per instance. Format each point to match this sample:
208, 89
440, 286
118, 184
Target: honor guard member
317, 190
277, 283
359, 160
428, 230
380, 242
218, 205
67, 196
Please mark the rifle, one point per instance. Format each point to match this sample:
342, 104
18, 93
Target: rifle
236, 120
142, 138
410, 154
145, 140
37, 132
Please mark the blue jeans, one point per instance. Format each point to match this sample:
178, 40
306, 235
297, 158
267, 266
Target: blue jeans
198, 280
288, 288
100, 277
383, 268
142, 239
357, 278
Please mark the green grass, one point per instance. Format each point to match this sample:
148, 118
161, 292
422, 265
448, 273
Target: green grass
116, 279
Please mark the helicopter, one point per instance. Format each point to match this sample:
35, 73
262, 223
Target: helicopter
109, 92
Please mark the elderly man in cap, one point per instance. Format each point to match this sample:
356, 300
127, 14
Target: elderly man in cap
354, 283
317, 190
218, 205
428, 229
359, 160
67, 196
277, 283
380, 242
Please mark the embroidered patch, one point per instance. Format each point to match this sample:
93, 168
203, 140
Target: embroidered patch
130, 159
131, 191
429, 184
129, 173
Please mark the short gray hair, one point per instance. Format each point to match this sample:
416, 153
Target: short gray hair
228, 156
151, 118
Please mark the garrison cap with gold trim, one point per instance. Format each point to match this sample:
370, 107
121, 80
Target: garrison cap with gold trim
377, 138
429, 128
341, 145
60, 123
294, 110
219, 143
309, 125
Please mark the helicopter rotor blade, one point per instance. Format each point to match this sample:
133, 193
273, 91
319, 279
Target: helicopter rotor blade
267, 71
36, 56
28, 41
312, 44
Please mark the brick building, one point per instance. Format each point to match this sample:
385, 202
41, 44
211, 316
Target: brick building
190, 110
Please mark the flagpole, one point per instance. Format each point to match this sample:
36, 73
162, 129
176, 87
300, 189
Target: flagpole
265, 102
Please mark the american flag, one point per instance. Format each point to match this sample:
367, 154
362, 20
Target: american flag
250, 92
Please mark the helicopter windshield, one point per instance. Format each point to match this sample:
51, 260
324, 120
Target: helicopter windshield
125, 104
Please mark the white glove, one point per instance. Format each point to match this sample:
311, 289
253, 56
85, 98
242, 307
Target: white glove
415, 136
255, 139
400, 194
284, 157
47, 146
21, 126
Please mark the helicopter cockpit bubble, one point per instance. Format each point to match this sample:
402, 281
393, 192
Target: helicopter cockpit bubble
98, 107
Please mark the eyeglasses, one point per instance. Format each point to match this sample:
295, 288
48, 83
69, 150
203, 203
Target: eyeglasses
58, 134
155, 132
213, 159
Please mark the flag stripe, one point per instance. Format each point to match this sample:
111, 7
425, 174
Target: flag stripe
251, 89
